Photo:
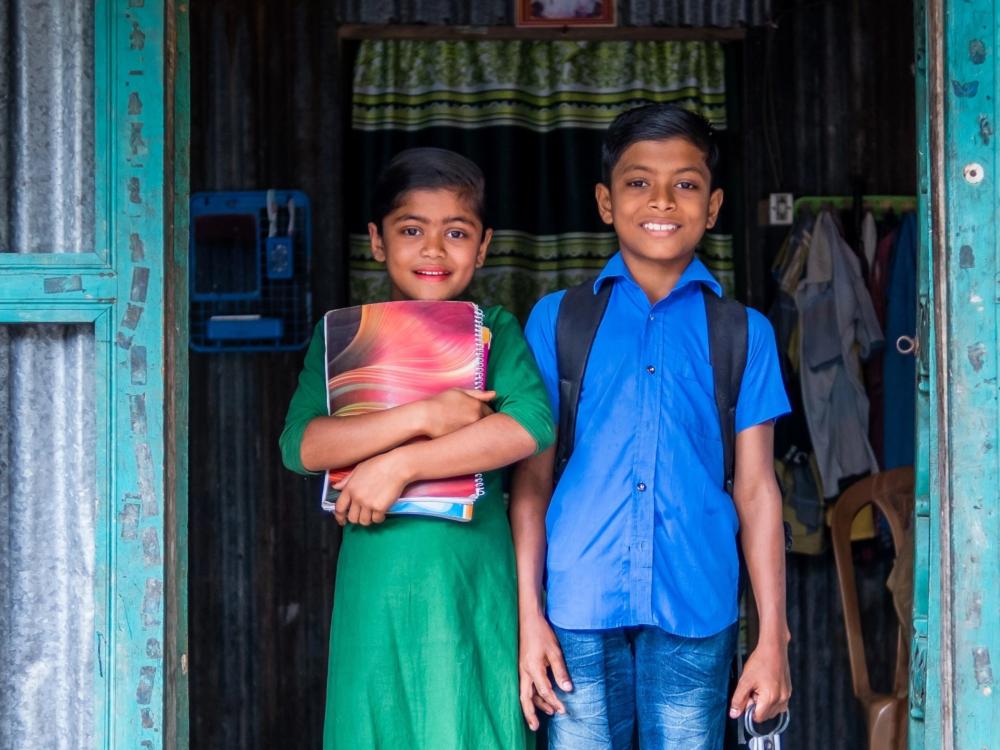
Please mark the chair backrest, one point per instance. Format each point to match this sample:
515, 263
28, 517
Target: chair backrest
892, 493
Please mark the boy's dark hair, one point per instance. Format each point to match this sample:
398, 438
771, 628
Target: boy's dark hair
657, 122
428, 169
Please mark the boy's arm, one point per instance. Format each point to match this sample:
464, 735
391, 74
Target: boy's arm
765, 681
491, 443
531, 489
335, 442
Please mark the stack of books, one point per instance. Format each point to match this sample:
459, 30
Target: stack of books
387, 354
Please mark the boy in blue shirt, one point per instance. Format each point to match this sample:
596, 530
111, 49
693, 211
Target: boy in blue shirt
639, 624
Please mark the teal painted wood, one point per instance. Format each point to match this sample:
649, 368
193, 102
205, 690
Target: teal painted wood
15, 312
137, 121
88, 259
119, 288
104, 588
926, 402
54, 286
963, 630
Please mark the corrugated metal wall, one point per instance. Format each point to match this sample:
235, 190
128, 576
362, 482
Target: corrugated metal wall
831, 92
264, 114
48, 439
266, 107
722, 13
46, 126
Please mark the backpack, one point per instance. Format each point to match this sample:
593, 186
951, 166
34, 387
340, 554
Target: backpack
580, 314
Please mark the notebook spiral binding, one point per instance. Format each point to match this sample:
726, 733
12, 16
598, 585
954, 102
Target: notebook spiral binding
480, 382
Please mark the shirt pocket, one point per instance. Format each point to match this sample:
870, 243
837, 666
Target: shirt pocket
690, 394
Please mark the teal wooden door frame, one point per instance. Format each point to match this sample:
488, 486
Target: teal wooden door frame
953, 701
132, 288
925, 530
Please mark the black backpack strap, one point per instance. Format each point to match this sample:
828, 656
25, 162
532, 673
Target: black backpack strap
580, 314
727, 349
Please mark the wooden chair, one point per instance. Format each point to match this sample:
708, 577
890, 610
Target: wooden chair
891, 492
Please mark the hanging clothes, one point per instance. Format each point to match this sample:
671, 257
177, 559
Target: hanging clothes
878, 282
869, 241
803, 505
900, 370
838, 329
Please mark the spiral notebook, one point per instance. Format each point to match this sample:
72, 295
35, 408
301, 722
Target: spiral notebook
391, 353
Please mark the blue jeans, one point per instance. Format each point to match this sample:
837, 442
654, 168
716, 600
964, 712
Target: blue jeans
667, 690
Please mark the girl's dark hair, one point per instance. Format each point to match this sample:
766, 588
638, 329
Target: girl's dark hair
657, 122
428, 169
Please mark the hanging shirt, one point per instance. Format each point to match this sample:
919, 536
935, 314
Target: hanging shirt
838, 329
869, 240
900, 370
878, 282
640, 530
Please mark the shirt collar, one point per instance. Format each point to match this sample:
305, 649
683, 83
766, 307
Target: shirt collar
695, 273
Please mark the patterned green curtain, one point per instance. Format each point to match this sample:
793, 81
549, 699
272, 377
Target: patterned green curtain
532, 115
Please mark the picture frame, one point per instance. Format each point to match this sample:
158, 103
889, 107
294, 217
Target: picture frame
566, 13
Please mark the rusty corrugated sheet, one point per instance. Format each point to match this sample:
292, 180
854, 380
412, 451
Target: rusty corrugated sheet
831, 93
264, 114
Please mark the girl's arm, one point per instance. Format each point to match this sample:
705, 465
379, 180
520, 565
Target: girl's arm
765, 680
538, 648
335, 442
521, 426
312, 442
491, 443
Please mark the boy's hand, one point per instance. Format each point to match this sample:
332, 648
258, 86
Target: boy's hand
370, 490
765, 682
454, 409
539, 651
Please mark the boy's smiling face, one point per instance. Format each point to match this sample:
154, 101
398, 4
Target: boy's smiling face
431, 243
660, 202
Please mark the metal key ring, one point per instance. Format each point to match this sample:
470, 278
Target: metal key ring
748, 723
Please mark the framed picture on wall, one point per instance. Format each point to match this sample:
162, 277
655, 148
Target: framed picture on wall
566, 12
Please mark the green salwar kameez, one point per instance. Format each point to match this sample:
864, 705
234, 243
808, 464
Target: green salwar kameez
423, 644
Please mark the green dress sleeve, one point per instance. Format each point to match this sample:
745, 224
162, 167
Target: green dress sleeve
308, 402
513, 374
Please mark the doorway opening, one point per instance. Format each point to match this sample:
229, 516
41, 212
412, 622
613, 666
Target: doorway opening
819, 103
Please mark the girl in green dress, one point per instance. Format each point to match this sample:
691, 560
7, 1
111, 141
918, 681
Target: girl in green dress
423, 644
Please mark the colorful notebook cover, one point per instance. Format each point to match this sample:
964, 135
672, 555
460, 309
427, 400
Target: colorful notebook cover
387, 354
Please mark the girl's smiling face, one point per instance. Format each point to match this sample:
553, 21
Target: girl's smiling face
431, 244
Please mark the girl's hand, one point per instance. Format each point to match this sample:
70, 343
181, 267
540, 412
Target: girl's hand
454, 409
370, 490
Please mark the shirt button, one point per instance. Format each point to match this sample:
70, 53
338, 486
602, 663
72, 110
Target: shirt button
651, 369
641, 486
652, 317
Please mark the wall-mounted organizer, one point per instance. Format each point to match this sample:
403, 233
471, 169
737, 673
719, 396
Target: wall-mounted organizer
250, 263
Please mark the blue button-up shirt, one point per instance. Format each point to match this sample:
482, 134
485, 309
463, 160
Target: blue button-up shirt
640, 530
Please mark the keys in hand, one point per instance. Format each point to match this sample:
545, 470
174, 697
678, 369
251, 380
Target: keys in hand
767, 735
